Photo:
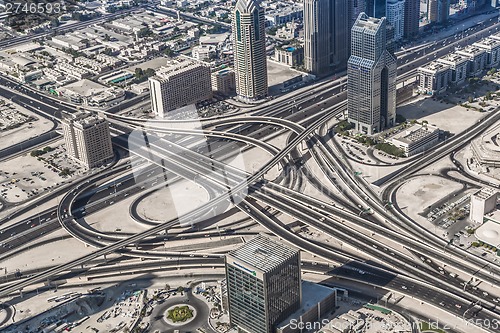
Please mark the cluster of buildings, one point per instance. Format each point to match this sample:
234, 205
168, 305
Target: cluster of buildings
87, 139
456, 67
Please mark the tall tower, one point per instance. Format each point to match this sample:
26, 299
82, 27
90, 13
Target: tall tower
412, 17
249, 50
376, 8
326, 36
438, 11
263, 284
371, 72
395, 13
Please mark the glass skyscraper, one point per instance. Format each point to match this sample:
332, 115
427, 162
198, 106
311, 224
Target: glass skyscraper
263, 284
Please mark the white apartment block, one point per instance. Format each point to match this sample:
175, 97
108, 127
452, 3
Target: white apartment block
458, 65
73, 71
482, 202
395, 13
182, 83
492, 48
477, 59
87, 138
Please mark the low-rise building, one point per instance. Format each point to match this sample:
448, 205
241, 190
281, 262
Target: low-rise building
416, 139
482, 202
433, 78
477, 59
492, 49
292, 56
73, 71
87, 138
458, 65
204, 52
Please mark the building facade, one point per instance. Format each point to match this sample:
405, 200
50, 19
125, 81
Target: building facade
482, 202
292, 56
376, 8
326, 36
223, 81
492, 48
181, 83
263, 284
87, 139
433, 78
438, 11
412, 18
477, 59
458, 65
250, 50
395, 13
372, 70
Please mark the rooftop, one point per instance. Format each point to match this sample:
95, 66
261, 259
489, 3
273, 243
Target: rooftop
263, 253
435, 66
485, 193
489, 233
415, 133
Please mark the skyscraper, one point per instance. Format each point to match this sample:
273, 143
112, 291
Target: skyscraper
326, 36
249, 50
263, 284
438, 11
395, 13
371, 75
376, 8
412, 18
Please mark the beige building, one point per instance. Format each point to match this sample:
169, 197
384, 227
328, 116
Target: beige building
292, 56
87, 138
224, 81
181, 83
416, 139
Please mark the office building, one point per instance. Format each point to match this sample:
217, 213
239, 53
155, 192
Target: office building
263, 284
356, 7
482, 202
371, 75
87, 139
433, 78
395, 14
326, 36
250, 50
438, 11
492, 48
412, 18
180, 83
416, 139
458, 65
477, 59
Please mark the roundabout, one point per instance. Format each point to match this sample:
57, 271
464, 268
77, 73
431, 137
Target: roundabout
179, 315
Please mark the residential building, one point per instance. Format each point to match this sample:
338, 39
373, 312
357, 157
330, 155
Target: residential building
482, 202
372, 70
87, 138
223, 81
181, 83
250, 63
492, 48
416, 139
292, 56
412, 18
282, 15
438, 11
326, 36
395, 14
263, 284
433, 78
458, 65
477, 59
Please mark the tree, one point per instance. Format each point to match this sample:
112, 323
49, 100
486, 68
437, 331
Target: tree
470, 99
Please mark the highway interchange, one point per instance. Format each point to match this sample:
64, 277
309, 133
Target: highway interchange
407, 266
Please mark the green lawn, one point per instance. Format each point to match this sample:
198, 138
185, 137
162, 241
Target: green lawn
180, 314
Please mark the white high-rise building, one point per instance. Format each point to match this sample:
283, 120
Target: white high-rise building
87, 138
182, 83
249, 46
482, 202
395, 13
